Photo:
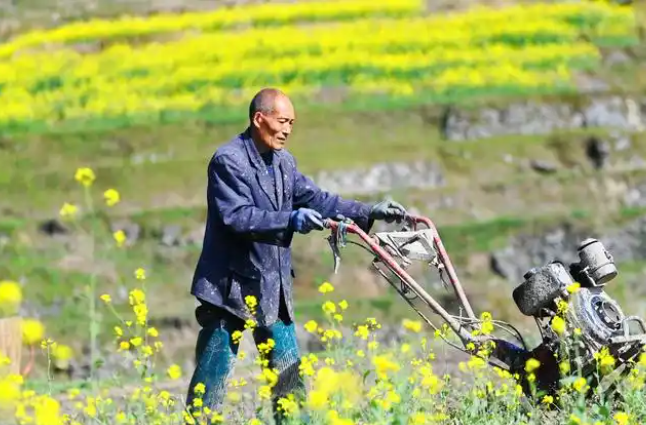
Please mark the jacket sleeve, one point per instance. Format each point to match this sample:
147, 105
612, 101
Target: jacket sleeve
308, 195
233, 200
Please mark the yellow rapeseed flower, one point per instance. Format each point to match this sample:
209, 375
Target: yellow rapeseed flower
621, 418
362, 332
384, 364
573, 287
32, 331
199, 388
329, 307
141, 312
62, 352
9, 392
106, 298
85, 176
68, 211
251, 301
412, 325
236, 336
531, 365
326, 287
136, 296
112, 197
140, 273
343, 304
558, 325
288, 405
10, 296
174, 372
580, 385
311, 326
119, 237
153, 332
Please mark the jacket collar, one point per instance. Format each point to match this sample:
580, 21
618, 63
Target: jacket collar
253, 153
261, 170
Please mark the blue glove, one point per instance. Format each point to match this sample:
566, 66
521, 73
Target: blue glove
304, 220
388, 211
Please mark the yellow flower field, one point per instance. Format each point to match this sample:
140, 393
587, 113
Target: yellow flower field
355, 380
532, 47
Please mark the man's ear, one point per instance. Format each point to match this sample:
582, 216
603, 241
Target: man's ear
257, 119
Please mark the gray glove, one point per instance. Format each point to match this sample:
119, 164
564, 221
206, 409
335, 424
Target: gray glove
388, 211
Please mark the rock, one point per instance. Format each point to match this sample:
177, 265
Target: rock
537, 118
636, 196
616, 57
525, 251
382, 177
622, 143
590, 84
195, 237
597, 152
500, 265
606, 113
544, 167
52, 227
171, 235
132, 230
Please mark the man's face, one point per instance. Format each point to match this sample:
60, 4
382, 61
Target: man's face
275, 128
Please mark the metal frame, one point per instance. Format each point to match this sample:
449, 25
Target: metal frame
458, 324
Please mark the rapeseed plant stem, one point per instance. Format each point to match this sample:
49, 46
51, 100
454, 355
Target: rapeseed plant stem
91, 293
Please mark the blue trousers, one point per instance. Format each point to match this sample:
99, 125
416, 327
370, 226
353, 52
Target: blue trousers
216, 353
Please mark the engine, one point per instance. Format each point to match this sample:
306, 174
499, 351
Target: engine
575, 294
573, 297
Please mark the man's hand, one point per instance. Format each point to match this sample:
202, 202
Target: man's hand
388, 211
304, 220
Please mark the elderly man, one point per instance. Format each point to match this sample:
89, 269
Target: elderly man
256, 200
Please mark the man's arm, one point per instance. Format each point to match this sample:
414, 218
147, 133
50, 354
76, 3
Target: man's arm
308, 195
233, 200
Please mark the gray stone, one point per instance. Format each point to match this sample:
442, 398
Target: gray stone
171, 235
534, 118
131, 229
627, 243
195, 237
616, 57
606, 113
381, 177
544, 167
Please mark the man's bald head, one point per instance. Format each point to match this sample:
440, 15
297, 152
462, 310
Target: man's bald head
271, 117
265, 101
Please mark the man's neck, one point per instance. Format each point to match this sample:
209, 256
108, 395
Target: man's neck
260, 146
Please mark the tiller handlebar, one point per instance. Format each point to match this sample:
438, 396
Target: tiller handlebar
396, 251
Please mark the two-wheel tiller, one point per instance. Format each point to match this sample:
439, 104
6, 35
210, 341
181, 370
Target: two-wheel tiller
591, 313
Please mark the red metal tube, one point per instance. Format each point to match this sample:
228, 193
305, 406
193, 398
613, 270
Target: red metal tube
404, 276
444, 257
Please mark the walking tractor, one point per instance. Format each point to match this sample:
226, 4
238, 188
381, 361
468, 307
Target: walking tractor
562, 299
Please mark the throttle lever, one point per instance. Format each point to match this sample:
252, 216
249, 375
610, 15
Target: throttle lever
336, 238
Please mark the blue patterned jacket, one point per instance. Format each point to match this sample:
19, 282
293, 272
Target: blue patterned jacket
246, 248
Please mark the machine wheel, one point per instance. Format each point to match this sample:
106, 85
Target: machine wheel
536, 292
